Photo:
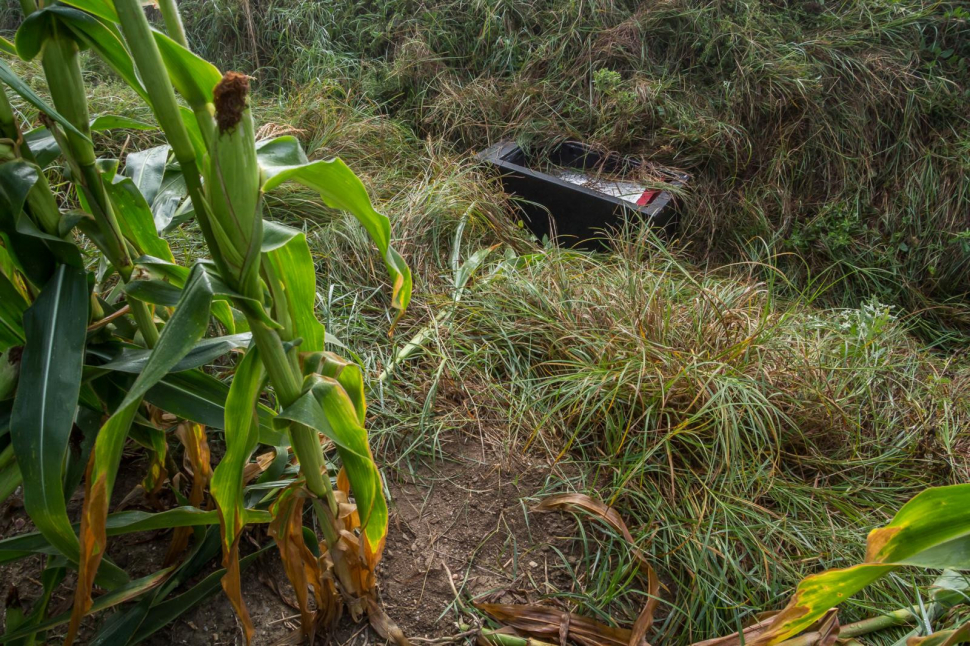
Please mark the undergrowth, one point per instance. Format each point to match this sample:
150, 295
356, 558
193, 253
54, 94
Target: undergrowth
830, 139
751, 422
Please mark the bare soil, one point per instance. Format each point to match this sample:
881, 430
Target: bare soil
461, 530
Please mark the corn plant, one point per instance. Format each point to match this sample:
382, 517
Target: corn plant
106, 339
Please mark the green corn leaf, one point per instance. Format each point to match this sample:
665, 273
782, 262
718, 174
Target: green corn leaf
242, 436
193, 77
930, 531
201, 398
146, 168
7, 47
293, 267
282, 160
134, 360
103, 9
102, 38
168, 611
178, 337
17, 85
122, 594
125, 522
43, 414
136, 219
45, 149
327, 408
12, 308
26, 243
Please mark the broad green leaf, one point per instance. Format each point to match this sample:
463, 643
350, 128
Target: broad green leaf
134, 360
183, 330
17, 85
135, 218
293, 268
282, 160
126, 522
242, 436
327, 408
45, 148
29, 251
932, 530
101, 37
146, 168
122, 594
201, 398
50, 381
104, 9
168, 611
193, 77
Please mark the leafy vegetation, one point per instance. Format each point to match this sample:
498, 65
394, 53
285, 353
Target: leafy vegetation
825, 138
751, 421
77, 355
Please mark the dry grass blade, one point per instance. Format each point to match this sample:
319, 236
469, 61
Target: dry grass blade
582, 502
543, 622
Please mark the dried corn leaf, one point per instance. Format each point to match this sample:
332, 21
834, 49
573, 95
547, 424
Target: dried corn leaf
582, 502
197, 462
549, 624
303, 569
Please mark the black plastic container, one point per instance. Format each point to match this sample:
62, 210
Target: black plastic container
572, 204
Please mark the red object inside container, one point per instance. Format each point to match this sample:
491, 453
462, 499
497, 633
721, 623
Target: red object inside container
647, 197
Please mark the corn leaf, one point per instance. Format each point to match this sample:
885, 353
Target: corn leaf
134, 360
180, 334
931, 531
7, 47
43, 413
327, 408
282, 160
123, 594
101, 37
27, 244
136, 219
242, 436
17, 85
293, 267
104, 9
193, 77
45, 149
201, 398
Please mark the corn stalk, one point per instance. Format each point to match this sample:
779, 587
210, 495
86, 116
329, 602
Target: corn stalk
261, 273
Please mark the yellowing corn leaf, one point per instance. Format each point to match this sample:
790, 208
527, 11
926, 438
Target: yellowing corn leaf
931, 531
582, 502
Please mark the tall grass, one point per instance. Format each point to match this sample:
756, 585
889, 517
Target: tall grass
825, 138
